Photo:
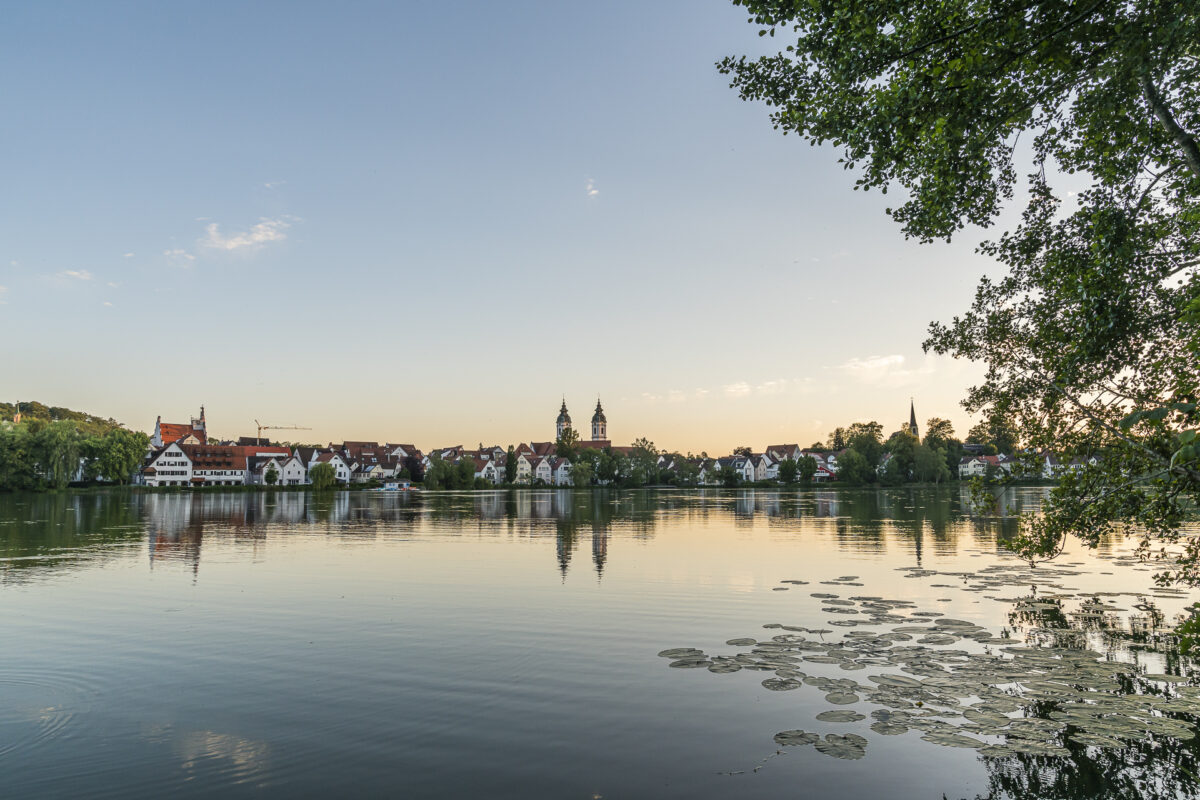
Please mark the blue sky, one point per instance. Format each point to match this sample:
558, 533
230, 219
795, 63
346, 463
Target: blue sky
427, 222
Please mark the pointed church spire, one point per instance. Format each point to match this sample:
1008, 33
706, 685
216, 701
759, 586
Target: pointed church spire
564, 420
912, 418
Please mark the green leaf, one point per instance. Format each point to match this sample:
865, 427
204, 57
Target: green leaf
1131, 420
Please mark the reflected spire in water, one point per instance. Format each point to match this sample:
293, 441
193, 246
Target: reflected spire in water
599, 550
565, 546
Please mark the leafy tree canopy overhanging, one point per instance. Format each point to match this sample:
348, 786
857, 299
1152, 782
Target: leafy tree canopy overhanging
1090, 335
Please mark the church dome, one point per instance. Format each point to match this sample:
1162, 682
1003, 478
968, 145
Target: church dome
563, 416
599, 415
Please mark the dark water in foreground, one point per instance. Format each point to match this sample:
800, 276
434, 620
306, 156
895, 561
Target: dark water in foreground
504, 646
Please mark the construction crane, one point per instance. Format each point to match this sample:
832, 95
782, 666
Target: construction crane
262, 428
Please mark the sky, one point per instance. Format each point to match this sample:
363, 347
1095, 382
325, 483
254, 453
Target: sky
430, 222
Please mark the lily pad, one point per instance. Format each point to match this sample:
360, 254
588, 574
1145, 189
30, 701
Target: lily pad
848, 747
842, 698
797, 737
690, 663
723, 668
680, 652
951, 739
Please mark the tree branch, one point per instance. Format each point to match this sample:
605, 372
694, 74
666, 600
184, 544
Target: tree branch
1186, 142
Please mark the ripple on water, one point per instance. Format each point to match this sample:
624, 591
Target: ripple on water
38, 707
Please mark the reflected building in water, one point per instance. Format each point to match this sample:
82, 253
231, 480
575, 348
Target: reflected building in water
859, 520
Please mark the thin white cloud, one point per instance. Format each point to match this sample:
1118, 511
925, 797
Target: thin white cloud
3, 292
736, 389
771, 387
112, 284
107, 303
267, 230
893, 371
179, 255
273, 184
77, 274
873, 367
128, 255
591, 190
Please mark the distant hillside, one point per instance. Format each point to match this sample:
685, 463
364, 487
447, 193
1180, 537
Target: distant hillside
87, 423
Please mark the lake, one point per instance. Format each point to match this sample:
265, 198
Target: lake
507, 645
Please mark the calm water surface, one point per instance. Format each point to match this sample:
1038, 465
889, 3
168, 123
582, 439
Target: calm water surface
505, 645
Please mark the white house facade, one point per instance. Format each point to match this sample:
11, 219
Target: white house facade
169, 467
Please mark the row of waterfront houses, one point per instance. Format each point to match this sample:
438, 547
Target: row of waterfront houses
1047, 466
183, 455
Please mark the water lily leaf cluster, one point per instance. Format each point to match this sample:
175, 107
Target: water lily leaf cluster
954, 683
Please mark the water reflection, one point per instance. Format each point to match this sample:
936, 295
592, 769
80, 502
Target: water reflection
1159, 767
45, 533
341, 660
1153, 767
50, 532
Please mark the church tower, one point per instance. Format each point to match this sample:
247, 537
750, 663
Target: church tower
912, 418
599, 424
564, 421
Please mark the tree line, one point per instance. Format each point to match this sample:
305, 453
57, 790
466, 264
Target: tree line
931, 459
41, 454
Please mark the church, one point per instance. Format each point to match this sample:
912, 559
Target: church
599, 440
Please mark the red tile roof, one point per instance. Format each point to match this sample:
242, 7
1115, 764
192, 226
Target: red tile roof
174, 431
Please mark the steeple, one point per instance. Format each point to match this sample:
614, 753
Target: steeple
599, 423
912, 418
563, 422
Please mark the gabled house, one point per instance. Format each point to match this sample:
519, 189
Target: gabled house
543, 470
1053, 465
289, 470
525, 466
765, 468
486, 469
361, 472
778, 452
168, 466
742, 465
562, 472
979, 466
341, 469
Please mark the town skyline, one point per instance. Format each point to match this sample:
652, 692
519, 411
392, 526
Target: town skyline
548, 431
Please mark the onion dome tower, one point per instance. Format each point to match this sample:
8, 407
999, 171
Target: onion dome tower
564, 420
599, 424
